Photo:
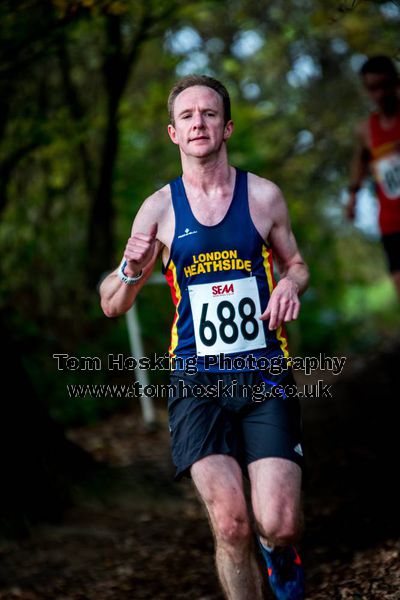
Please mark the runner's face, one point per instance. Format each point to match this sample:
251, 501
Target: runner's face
199, 128
381, 88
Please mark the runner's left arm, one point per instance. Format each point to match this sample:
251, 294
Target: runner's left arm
359, 168
284, 303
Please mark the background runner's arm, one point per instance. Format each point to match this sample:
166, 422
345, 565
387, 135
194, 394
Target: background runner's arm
359, 168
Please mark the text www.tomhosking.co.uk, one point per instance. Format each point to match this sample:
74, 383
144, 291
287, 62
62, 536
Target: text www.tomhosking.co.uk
274, 366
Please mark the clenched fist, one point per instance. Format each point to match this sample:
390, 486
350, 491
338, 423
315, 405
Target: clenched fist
139, 251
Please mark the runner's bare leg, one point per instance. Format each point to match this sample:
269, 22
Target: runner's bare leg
396, 281
218, 479
276, 499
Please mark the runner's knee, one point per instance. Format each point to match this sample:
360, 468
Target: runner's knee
232, 529
280, 528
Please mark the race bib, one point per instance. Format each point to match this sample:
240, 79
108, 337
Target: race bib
388, 175
226, 316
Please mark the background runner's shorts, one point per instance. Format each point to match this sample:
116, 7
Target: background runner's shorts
227, 422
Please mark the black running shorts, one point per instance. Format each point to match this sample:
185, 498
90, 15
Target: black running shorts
209, 413
391, 245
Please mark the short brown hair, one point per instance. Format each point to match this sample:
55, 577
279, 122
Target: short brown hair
191, 80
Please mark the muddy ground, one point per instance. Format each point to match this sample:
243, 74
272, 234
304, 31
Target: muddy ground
135, 534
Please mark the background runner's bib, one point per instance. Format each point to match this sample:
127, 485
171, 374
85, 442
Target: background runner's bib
387, 171
225, 316
221, 278
385, 155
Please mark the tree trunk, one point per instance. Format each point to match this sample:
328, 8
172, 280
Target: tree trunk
117, 67
101, 239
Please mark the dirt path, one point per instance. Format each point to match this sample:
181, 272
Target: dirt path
134, 534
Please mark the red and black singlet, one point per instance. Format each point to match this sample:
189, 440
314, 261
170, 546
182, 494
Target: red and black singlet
385, 165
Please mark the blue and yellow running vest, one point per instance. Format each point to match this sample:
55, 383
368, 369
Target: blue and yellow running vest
221, 278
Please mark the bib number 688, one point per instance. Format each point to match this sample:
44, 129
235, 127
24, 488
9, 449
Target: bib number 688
228, 329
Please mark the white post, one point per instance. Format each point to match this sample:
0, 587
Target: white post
135, 341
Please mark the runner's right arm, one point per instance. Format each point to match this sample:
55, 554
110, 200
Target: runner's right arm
141, 252
358, 168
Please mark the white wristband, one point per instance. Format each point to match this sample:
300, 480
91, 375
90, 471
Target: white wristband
125, 278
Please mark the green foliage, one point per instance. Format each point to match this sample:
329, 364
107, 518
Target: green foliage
291, 69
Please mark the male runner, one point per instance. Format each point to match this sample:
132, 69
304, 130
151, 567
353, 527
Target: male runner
215, 228
377, 152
